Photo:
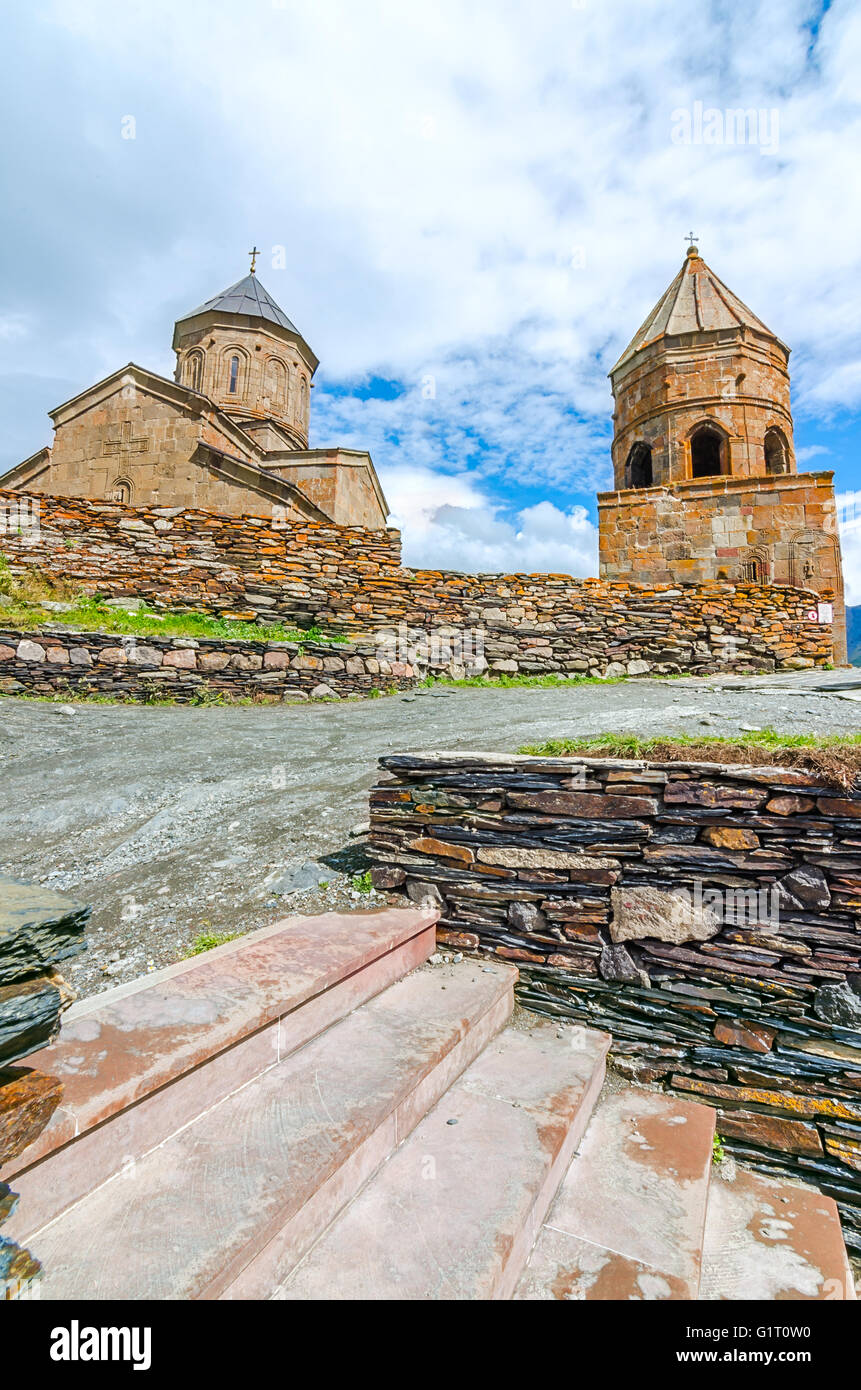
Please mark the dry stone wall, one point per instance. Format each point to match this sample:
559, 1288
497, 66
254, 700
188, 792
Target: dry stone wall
351, 580
707, 916
39, 930
56, 659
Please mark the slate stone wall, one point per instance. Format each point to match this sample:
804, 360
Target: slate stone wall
39, 930
351, 580
708, 916
51, 660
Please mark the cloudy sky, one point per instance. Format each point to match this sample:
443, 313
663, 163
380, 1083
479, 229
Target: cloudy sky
467, 206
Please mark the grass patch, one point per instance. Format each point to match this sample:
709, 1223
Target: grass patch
507, 682
835, 758
207, 941
30, 591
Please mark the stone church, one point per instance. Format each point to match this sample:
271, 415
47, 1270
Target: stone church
228, 434
704, 465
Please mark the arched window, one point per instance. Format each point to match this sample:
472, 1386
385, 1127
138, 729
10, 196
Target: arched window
776, 451
194, 370
638, 467
707, 451
751, 570
233, 376
276, 382
121, 491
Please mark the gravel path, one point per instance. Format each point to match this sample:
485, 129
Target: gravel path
173, 821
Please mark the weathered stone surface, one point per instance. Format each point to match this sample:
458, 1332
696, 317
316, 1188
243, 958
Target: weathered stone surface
697, 793
526, 917
183, 659
427, 845
839, 806
838, 1003
770, 1132
807, 886
30, 651
789, 805
461, 940
617, 964
664, 914
213, 661
28, 1099
724, 837
805, 1105
38, 927
18, 1268
584, 804
386, 876
139, 655
424, 894
753, 1036
508, 857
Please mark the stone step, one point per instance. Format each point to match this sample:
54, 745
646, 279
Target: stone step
768, 1238
455, 1210
227, 1207
628, 1221
141, 1061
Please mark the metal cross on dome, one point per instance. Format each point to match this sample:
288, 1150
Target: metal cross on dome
692, 239
253, 253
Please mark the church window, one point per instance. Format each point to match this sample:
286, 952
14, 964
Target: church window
751, 571
194, 370
276, 382
234, 375
638, 468
776, 452
121, 491
706, 453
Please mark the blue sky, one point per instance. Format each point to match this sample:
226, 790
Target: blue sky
467, 207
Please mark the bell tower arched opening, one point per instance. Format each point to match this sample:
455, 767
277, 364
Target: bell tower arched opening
708, 453
638, 467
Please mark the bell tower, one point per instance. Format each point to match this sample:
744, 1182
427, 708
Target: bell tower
702, 389
705, 475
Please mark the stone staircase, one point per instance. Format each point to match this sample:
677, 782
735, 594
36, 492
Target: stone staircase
303, 1113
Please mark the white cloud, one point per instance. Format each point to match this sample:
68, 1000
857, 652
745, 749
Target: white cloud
478, 190
448, 524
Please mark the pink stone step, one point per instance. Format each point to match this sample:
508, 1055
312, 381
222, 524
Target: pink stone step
141, 1061
770, 1239
455, 1210
628, 1220
226, 1207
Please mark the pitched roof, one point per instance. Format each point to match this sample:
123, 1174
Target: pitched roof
696, 302
246, 297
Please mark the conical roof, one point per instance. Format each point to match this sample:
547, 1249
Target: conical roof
696, 302
246, 297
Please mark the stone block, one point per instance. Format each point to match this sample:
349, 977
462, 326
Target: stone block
672, 915
29, 651
183, 658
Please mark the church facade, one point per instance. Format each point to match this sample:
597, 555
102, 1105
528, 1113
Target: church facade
706, 483
228, 434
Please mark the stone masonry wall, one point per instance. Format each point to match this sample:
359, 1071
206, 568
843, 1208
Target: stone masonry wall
54, 659
781, 530
351, 580
39, 930
707, 916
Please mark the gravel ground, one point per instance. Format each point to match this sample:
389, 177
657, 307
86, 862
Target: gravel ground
174, 821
